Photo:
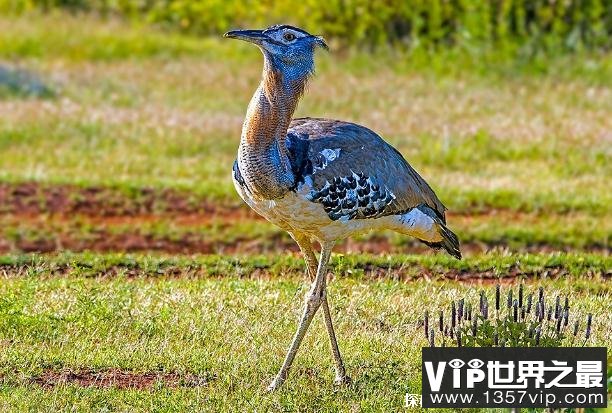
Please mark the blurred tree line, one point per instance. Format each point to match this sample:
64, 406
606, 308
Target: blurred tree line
529, 25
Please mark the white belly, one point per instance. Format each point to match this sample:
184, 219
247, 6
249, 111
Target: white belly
295, 213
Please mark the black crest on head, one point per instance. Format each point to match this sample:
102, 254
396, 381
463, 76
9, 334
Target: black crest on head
286, 26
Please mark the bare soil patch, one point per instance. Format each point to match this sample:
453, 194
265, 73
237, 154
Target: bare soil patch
116, 378
104, 240
144, 204
31, 198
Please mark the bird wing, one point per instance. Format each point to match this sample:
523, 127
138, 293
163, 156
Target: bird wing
354, 172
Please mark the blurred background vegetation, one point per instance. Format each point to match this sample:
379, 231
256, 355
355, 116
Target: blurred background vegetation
125, 248
520, 28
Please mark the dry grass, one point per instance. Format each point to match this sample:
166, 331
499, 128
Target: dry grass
117, 123
174, 119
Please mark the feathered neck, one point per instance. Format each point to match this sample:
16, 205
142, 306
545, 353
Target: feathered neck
262, 155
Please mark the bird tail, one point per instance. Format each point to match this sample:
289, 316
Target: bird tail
449, 241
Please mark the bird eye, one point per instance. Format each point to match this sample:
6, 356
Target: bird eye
289, 36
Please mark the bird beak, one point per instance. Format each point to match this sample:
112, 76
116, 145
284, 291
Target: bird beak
251, 36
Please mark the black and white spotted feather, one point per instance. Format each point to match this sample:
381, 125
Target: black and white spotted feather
353, 197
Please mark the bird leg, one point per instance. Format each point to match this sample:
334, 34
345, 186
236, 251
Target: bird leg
314, 298
311, 265
341, 377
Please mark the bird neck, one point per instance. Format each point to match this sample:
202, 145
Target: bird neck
262, 155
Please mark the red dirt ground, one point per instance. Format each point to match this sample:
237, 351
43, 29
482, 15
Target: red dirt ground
104, 240
58, 213
116, 378
142, 204
34, 199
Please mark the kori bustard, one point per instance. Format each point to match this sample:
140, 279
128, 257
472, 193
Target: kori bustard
323, 180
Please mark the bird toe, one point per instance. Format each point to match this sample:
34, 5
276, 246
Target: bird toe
343, 381
275, 385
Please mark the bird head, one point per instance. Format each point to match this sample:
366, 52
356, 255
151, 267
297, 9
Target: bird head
287, 49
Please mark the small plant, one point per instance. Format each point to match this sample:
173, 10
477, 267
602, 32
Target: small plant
524, 321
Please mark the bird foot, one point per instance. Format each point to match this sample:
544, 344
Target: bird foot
343, 381
275, 385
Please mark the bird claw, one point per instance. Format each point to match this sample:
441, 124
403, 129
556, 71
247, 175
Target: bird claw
275, 385
343, 381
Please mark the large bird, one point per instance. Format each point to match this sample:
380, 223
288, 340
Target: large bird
323, 180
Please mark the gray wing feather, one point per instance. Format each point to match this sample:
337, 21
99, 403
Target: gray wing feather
363, 151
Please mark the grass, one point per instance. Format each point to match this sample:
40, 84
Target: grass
156, 144
368, 267
518, 151
31, 36
508, 141
230, 329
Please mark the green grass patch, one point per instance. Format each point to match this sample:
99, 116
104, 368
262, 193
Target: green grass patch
497, 264
231, 329
52, 35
